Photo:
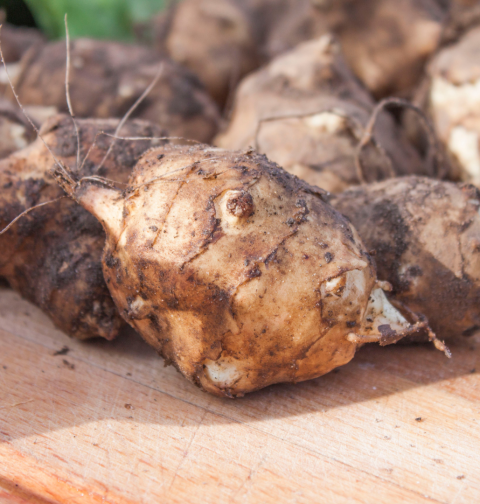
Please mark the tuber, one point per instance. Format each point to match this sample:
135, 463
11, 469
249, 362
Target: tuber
307, 112
462, 15
108, 77
17, 40
52, 255
453, 102
385, 42
216, 39
238, 273
426, 235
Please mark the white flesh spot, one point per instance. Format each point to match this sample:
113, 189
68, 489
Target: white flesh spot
456, 101
222, 372
453, 105
137, 304
13, 71
383, 312
17, 132
333, 285
326, 121
463, 143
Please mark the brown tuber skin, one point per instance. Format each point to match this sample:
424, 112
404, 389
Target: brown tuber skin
462, 15
426, 234
213, 38
106, 78
288, 23
16, 40
322, 113
385, 42
238, 273
52, 256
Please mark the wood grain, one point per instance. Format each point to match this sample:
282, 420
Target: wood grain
107, 422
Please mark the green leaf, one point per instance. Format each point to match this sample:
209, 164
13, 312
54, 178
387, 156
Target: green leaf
143, 10
103, 19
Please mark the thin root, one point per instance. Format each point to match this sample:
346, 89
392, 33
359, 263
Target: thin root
60, 173
152, 138
94, 143
105, 181
116, 137
67, 90
131, 110
422, 323
28, 211
434, 158
160, 178
439, 344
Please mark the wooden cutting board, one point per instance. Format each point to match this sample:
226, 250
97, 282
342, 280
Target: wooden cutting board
107, 422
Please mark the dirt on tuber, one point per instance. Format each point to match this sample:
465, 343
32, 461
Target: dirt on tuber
52, 255
106, 78
426, 235
237, 272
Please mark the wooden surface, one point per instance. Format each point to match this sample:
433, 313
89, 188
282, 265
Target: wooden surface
107, 422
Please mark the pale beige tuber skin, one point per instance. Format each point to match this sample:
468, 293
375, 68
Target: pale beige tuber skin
307, 112
426, 234
387, 42
238, 273
106, 79
453, 102
213, 38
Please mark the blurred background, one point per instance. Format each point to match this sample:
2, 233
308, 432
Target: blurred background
106, 19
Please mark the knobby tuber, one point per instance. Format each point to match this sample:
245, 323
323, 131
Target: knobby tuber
235, 271
307, 112
52, 255
426, 235
385, 42
108, 77
453, 102
216, 39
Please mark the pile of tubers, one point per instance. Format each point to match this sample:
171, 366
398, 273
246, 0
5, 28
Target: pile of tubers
260, 213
